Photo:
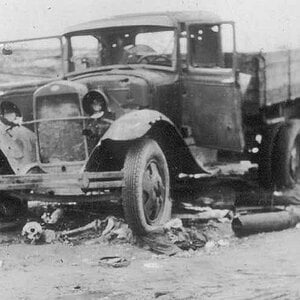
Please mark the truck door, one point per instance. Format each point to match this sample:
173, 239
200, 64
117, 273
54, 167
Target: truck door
212, 101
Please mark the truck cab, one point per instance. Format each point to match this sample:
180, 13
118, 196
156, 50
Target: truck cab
136, 92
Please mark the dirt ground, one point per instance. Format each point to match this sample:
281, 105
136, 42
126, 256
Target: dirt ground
261, 266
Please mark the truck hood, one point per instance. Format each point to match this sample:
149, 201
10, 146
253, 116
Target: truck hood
127, 87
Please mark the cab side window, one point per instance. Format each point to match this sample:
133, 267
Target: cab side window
211, 45
205, 46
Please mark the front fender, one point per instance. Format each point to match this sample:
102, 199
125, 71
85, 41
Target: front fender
109, 154
17, 145
134, 125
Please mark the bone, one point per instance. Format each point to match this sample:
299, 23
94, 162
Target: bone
95, 225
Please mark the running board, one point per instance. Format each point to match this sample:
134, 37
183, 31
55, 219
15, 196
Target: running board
86, 181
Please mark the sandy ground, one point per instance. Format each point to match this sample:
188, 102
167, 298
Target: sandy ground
263, 266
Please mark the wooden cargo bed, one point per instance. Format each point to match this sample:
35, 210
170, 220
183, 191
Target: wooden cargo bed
275, 78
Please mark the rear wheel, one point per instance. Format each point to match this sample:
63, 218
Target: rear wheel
287, 164
146, 201
266, 155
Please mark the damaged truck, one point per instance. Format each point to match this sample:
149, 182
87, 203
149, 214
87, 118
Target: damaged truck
136, 92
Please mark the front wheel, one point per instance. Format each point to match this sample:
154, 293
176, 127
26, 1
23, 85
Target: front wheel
11, 207
146, 200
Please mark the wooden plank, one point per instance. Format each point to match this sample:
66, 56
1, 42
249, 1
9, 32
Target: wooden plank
295, 73
277, 79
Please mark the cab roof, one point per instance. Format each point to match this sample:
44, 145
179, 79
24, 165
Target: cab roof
166, 19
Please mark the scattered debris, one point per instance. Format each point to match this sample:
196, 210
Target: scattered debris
109, 229
95, 225
48, 236
159, 294
77, 287
174, 239
116, 229
32, 231
173, 224
123, 233
223, 243
204, 213
190, 206
210, 245
206, 200
160, 244
54, 217
114, 261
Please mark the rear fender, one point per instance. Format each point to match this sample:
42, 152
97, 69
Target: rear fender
109, 155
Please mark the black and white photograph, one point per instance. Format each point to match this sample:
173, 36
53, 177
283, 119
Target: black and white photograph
149, 149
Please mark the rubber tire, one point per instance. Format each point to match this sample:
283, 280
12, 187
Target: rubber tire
266, 156
287, 136
136, 161
12, 207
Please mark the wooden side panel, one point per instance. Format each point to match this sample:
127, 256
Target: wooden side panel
248, 63
277, 77
295, 74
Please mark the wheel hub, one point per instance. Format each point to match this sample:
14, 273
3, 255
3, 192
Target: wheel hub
153, 192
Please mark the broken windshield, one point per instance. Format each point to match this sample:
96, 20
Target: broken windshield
25, 60
149, 45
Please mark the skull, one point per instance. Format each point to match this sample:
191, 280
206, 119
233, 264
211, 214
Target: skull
32, 231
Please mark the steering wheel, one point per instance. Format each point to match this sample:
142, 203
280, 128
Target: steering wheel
151, 58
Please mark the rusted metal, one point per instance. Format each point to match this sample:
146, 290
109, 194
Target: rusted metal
265, 222
87, 180
213, 90
83, 198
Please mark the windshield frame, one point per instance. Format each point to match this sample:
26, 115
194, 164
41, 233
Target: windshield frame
92, 32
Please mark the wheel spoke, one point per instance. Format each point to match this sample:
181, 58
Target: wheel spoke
147, 184
155, 175
153, 191
149, 208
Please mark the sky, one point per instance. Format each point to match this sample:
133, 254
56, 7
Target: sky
261, 24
